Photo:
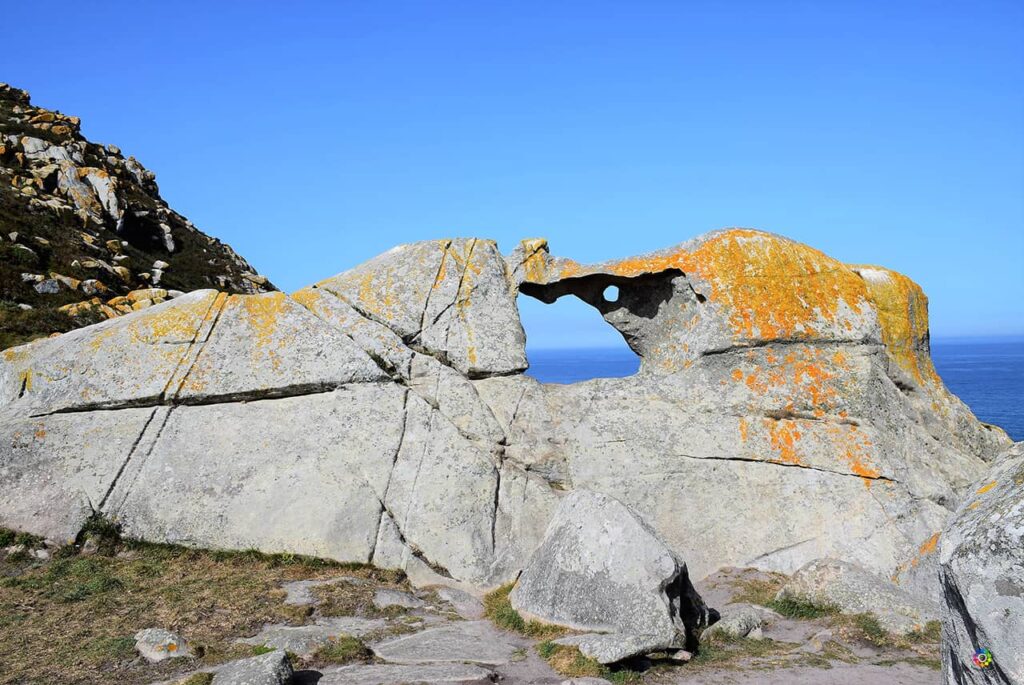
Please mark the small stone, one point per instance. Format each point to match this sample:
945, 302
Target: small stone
41, 554
464, 641
50, 286
157, 644
114, 246
680, 655
160, 264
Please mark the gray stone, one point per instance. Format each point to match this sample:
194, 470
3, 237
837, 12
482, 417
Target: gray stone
741, 620
982, 575
586, 681
305, 640
466, 605
157, 644
272, 668
247, 475
389, 674
449, 296
853, 590
268, 345
56, 469
51, 286
601, 568
476, 642
382, 599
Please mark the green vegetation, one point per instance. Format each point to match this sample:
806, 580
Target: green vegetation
345, 649
801, 607
498, 608
569, 662
197, 679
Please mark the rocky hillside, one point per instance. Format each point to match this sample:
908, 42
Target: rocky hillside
82, 226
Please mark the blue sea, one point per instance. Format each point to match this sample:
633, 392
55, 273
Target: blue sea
987, 374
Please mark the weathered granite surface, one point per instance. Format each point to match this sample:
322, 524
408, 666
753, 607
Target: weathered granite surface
786, 410
981, 563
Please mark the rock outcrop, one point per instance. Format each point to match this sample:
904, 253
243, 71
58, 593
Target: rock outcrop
852, 590
602, 570
982, 572
84, 225
786, 410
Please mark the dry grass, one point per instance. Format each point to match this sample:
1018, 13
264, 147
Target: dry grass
570, 662
73, 619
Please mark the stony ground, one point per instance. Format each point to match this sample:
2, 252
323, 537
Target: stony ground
69, 615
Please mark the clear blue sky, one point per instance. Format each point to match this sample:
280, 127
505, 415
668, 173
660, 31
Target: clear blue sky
312, 136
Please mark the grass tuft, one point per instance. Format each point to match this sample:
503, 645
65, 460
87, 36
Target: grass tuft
571, 663
345, 649
498, 608
801, 608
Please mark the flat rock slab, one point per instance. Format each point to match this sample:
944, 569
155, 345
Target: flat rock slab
395, 598
273, 668
467, 641
390, 674
466, 605
304, 640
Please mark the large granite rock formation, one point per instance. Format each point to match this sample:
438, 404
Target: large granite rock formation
982, 572
786, 410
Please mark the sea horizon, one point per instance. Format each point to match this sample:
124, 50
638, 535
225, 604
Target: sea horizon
985, 372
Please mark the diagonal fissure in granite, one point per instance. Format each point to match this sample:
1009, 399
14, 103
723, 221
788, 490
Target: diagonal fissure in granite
136, 463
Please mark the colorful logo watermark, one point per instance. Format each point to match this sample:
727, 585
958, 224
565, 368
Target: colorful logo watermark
982, 658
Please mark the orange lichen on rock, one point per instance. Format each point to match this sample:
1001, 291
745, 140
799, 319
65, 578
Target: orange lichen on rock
903, 317
854, 445
784, 435
807, 375
929, 545
771, 287
985, 488
263, 313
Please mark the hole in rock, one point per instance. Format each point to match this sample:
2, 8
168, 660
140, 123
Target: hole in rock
611, 293
568, 341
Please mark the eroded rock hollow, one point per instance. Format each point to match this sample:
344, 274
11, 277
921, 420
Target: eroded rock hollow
786, 410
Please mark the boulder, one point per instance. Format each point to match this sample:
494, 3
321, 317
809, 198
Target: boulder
272, 668
741, 620
853, 590
157, 644
981, 562
601, 569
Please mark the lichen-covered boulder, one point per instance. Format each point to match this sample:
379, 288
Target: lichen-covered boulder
601, 569
982, 572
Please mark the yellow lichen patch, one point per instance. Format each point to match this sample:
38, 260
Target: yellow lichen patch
263, 313
985, 488
903, 317
744, 429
